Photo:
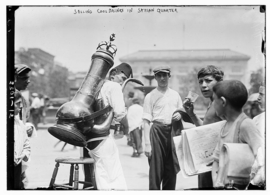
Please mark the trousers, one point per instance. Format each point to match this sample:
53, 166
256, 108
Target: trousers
161, 161
18, 185
136, 139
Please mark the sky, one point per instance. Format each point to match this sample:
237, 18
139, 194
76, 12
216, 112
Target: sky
73, 37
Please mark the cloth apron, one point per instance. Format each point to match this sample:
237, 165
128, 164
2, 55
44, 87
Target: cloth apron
108, 169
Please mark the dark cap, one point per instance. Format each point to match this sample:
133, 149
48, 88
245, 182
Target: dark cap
162, 68
19, 68
125, 68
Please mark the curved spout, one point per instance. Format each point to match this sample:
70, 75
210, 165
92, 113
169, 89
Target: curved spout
131, 80
105, 125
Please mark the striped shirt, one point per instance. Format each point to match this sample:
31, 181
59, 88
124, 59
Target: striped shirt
21, 141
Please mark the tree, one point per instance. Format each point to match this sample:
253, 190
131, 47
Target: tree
58, 82
257, 78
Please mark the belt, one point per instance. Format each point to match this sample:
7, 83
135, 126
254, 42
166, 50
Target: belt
163, 124
94, 142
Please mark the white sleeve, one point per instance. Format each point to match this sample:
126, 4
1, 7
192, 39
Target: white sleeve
26, 147
116, 101
179, 101
35, 103
147, 111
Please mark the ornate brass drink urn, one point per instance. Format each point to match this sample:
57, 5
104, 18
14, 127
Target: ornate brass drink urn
77, 116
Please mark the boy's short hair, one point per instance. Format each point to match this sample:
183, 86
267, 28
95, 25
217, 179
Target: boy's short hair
233, 91
17, 95
212, 71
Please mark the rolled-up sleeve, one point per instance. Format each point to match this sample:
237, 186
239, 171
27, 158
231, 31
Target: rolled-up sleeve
147, 111
116, 101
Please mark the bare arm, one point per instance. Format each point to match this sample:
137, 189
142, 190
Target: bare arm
197, 121
147, 138
214, 172
124, 122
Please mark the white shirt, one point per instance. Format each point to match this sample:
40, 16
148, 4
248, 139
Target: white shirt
42, 102
259, 121
111, 93
134, 116
35, 103
160, 107
21, 141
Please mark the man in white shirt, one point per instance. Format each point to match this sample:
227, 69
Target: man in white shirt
159, 108
108, 169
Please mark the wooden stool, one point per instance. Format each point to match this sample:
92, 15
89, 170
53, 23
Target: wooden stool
76, 181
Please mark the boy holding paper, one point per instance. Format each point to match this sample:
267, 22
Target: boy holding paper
229, 98
207, 78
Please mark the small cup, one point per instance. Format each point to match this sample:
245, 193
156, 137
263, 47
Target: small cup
191, 97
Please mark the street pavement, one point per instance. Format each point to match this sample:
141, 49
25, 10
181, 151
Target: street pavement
44, 152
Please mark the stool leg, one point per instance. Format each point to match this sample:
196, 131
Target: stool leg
63, 147
93, 178
71, 175
76, 177
54, 175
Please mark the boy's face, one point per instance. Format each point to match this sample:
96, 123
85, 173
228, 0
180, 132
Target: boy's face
218, 105
162, 79
119, 78
206, 84
261, 100
17, 106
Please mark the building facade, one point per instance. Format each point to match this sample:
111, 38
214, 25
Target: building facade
48, 77
183, 62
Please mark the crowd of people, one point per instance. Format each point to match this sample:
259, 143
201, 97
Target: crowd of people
151, 127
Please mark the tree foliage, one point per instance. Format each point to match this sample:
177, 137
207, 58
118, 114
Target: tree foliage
58, 83
53, 84
257, 78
